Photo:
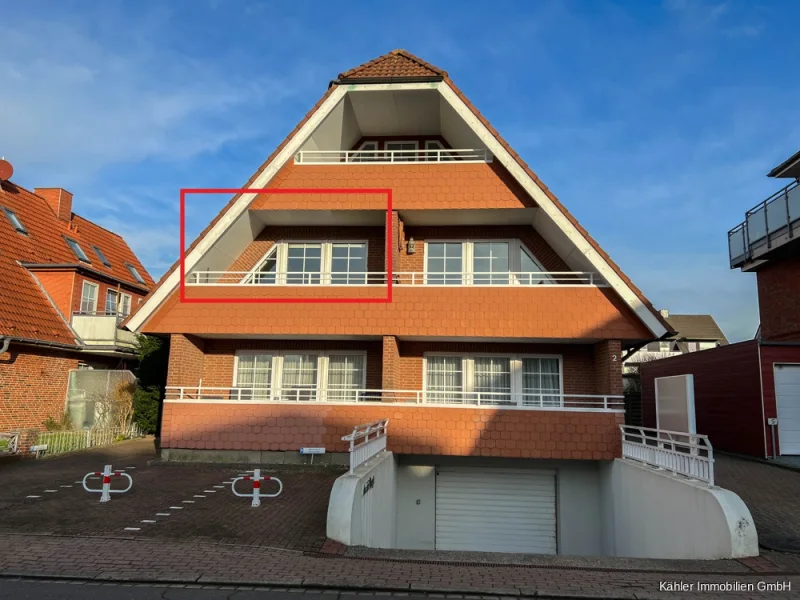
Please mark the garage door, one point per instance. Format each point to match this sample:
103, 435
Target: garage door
493, 510
787, 394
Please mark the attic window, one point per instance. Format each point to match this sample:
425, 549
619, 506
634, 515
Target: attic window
101, 256
135, 273
14, 220
75, 247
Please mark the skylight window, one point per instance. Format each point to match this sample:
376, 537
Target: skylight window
101, 256
14, 220
135, 273
75, 247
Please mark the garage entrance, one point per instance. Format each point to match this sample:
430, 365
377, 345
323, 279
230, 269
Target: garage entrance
787, 397
496, 510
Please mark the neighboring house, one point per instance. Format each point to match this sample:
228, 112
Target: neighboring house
496, 354
748, 391
693, 333
66, 284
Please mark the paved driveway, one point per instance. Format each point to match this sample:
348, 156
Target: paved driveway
771, 493
168, 501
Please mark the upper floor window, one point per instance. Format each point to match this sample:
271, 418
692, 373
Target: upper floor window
77, 250
124, 304
402, 151
368, 151
135, 273
493, 379
89, 297
502, 262
14, 220
313, 263
112, 298
101, 256
436, 156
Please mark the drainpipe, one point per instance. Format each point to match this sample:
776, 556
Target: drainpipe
6, 342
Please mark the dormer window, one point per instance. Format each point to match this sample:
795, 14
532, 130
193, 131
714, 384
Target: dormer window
101, 256
403, 151
14, 220
78, 251
135, 273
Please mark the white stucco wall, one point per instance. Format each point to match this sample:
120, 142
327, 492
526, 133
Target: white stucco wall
416, 507
361, 508
650, 514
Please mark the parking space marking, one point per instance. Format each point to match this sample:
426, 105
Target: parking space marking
188, 501
209, 491
33, 496
65, 486
147, 521
176, 507
162, 514
51, 491
198, 496
220, 487
133, 529
79, 481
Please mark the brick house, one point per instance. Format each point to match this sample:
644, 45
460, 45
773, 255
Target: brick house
747, 395
67, 283
497, 346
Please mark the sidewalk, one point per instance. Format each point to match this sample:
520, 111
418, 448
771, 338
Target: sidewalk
160, 561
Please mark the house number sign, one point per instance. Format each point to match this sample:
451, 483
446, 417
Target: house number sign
368, 485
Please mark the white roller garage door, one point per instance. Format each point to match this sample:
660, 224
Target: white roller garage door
496, 510
787, 395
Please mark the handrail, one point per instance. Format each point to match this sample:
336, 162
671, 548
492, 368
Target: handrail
439, 155
688, 454
366, 441
313, 394
283, 278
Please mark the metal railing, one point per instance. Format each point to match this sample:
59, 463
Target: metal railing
332, 157
525, 400
366, 441
776, 216
686, 454
60, 442
528, 278
9, 442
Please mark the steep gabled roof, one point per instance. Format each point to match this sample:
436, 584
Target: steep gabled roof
397, 64
696, 327
26, 311
400, 65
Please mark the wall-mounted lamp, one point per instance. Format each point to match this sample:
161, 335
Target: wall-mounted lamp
411, 246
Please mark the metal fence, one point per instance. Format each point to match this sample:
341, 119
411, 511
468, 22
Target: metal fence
690, 455
60, 442
366, 441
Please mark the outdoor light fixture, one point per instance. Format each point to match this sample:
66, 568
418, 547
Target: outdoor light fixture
412, 246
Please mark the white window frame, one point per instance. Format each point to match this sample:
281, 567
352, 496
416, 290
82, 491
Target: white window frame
468, 371
15, 221
77, 250
326, 263
96, 294
403, 157
122, 297
368, 146
323, 356
135, 273
116, 302
436, 145
515, 248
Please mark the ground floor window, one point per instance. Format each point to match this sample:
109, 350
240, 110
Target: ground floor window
493, 379
300, 376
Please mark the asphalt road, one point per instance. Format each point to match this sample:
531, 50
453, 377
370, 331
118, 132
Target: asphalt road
19, 589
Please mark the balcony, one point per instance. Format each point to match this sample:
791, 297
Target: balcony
770, 225
389, 157
98, 329
443, 279
454, 399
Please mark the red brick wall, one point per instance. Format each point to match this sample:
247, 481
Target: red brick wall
391, 375
412, 429
186, 360
727, 387
375, 237
779, 299
33, 385
770, 356
608, 367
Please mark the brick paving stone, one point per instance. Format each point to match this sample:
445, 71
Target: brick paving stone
771, 493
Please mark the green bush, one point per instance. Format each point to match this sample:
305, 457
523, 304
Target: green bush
145, 408
63, 423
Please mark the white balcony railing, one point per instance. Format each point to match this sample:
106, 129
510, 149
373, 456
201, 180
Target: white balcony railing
312, 394
102, 329
690, 455
451, 279
366, 441
387, 157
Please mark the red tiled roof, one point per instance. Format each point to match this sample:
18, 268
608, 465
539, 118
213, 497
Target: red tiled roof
402, 64
25, 309
395, 64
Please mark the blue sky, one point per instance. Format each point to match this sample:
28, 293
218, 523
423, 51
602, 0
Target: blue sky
654, 122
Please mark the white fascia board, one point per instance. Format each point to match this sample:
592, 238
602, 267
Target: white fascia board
552, 211
235, 211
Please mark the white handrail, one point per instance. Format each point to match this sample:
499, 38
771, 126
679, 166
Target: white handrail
366, 441
506, 400
439, 155
446, 279
688, 454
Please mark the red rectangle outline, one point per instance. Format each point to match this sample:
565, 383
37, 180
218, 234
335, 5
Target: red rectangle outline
239, 191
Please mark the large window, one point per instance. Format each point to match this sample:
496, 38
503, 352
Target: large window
300, 376
312, 263
493, 380
89, 298
490, 262
111, 302
404, 151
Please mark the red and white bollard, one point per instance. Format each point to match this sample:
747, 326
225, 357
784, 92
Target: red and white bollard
106, 491
257, 494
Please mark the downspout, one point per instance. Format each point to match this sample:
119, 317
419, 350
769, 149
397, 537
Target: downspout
6, 343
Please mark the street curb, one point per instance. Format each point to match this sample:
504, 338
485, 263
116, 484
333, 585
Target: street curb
311, 585
762, 461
